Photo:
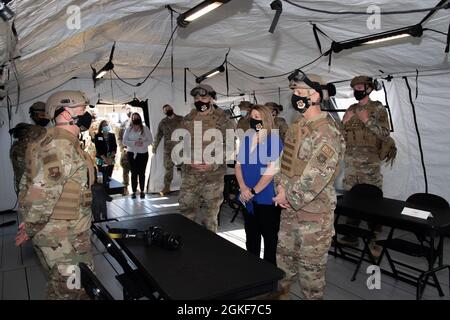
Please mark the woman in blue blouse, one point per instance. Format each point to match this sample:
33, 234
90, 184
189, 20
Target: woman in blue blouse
257, 163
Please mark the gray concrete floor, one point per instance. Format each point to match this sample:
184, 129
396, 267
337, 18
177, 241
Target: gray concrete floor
22, 278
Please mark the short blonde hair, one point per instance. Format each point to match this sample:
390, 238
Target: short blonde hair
266, 116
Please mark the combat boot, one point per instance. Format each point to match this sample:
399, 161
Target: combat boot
283, 293
164, 191
349, 241
375, 249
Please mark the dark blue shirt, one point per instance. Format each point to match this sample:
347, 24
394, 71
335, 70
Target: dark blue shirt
254, 164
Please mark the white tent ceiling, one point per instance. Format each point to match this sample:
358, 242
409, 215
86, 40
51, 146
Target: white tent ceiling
51, 55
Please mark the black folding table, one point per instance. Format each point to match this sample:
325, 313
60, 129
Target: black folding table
205, 267
388, 212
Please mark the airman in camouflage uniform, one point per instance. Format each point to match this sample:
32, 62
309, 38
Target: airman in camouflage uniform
37, 114
366, 126
26, 133
124, 163
92, 132
244, 121
55, 196
166, 127
202, 182
280, 122
309, 164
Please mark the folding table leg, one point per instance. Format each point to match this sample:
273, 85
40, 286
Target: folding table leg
438, 285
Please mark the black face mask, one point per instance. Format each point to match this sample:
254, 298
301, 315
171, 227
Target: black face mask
360, 94
42, 122
129, 114
169, 113
137, 121
84, 121
301, 104
201, 106
256, 124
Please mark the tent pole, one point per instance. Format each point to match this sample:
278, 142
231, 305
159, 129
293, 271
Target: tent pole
428, 16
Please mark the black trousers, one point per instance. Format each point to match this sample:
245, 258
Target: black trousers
265, 222
137, 168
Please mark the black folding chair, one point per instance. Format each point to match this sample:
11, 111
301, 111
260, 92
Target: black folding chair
93, 287
423, 248
231, 195
134, 285
361, 191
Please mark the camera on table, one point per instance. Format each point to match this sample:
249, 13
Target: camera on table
155, 235
152, 236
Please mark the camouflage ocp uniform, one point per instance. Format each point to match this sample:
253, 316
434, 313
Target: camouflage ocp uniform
244, 123
24, 133
204, 188
165, 129
362, 161
55, 205
282, 126
93, 129
309, 164
124, 163
363, 140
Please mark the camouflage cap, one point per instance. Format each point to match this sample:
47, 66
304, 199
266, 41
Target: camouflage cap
361, 80
315, 78
203, 90
245, 105
299, 80
37, 107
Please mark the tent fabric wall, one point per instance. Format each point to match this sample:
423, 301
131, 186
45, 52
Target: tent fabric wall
51, 55
433, 117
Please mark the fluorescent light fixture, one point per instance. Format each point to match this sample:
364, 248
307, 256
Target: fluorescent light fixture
100, 74
213, 74
210, 74
203, 11
388, 38
412, 31
96, 75
199, 10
